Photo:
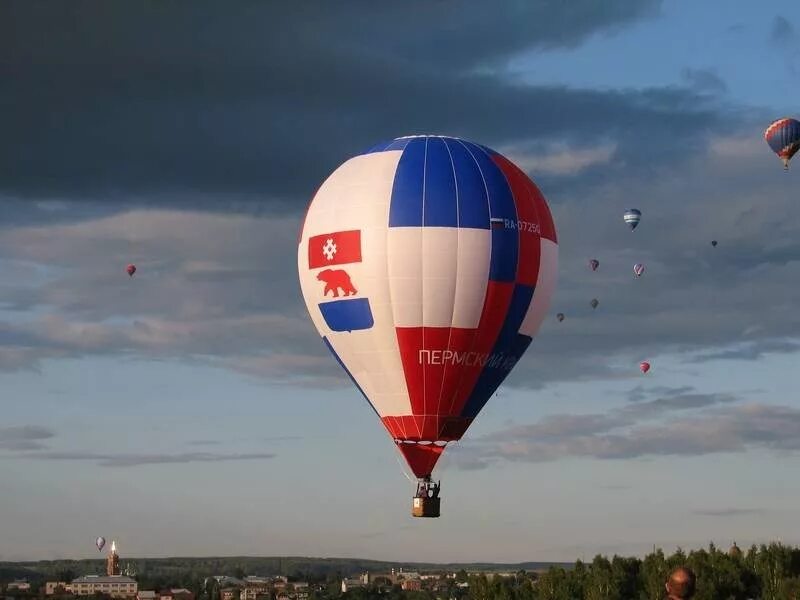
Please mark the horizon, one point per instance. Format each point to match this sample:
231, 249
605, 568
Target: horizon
193, 409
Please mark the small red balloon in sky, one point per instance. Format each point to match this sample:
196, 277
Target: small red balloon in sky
644, 366
130, 269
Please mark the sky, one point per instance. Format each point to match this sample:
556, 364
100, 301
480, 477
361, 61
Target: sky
193, 409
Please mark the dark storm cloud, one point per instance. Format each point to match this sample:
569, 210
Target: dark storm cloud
256, 102
223, 288
616, 436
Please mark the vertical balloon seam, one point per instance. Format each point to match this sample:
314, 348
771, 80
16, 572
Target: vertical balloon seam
439, 401
458, 390
399, 422
408, 154
421, 429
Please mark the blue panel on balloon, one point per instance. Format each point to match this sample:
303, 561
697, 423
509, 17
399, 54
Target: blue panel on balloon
347, 315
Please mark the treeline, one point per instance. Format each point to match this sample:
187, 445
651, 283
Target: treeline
766, 573
300, 568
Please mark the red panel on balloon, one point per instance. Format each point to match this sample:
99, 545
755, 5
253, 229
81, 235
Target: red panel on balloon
421, 457
495, 308
432, 428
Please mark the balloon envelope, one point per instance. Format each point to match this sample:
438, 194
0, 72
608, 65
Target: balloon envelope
638, 269
644, 366
593, 264
714, 243
594, 303
100, 542
427, 265
130, 269
560, 317
783, 137
632, 217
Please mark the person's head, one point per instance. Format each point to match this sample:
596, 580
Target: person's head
680, 585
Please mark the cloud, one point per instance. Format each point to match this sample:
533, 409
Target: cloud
729, 512
782, 31
217, 117
704, 80
135, 460
560, 159
24, 437
250, 143
26, 441
677, 402
749, 351
641, 392
620, 434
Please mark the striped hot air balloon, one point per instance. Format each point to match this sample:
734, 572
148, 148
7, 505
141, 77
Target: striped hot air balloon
427, 265
638, 269
783, 136
632, 217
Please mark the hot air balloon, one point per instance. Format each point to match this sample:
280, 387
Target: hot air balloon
632, 217
644, 366
714, 243
130, 269
560, 317
783, 136
100, 542
593, 264
427, 265
638, 269
594, 303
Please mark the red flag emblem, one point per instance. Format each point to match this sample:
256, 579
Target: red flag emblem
338, 248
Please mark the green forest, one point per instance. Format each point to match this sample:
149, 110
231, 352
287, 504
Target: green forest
767, 572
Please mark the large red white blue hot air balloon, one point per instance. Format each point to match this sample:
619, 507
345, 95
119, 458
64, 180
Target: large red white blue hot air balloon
427, 264
783, 137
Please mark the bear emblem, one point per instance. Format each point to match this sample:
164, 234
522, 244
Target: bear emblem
335, 280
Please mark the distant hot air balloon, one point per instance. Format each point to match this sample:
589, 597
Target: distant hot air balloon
560, 317
427, 265
783, 136
714, 243
100, 542
644, 366
130, 269
638, 269
593, 264
632, 217
594, 303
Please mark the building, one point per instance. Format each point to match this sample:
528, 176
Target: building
116, 586
112, 562
146, 595
411, 585
255, 587
55, 587
19, 585
176, 594
229, 593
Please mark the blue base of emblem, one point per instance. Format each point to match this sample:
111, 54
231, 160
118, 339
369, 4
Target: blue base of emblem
347, 315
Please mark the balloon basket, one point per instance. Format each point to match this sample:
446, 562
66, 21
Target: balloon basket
425, 507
